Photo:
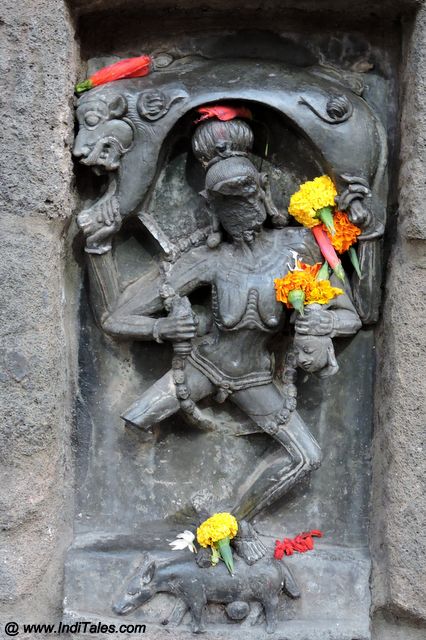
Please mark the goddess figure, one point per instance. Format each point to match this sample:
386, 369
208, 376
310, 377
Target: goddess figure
227, 353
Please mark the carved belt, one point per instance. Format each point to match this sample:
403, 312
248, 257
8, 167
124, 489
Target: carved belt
227, 384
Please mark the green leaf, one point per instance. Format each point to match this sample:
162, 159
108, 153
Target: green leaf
296, 298
226, 554
326, 216
323, 273
338, 270
81, 87
354, 259
215, 556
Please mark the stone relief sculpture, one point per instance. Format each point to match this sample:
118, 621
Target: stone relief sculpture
224, 350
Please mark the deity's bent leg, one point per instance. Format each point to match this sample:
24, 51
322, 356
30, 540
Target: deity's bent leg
160, 401
274, 476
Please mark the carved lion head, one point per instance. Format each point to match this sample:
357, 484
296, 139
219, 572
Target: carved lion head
104, 135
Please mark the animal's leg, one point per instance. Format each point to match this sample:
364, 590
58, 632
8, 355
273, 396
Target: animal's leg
273, 477
270, 604
177, 614
160, 401
252, 619
196, 607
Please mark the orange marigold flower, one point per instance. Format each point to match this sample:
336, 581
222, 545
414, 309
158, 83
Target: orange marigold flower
310, 269
346, 232
304, 279
293, 280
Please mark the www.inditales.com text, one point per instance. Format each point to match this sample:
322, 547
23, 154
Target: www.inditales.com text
13, 629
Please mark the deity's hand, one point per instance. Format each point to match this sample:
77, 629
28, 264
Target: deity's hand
316, 321
352, 199
176, 329
99, 224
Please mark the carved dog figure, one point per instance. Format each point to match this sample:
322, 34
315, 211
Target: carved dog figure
262, 582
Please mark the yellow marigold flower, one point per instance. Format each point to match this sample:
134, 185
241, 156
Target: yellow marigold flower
312, 196
346, 232
218, 527
322, 292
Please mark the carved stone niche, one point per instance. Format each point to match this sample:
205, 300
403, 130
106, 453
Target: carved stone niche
189, 220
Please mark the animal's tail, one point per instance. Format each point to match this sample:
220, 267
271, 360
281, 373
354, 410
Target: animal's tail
290, 586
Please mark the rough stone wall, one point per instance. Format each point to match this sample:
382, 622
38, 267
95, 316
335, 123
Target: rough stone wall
38, 63
37, 71
399, 503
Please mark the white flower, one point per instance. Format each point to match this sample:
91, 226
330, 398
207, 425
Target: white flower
183, 541
295, 257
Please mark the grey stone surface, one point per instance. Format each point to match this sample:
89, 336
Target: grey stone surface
388, 627
37, 60
38, 70
35, 412
341, 573
169, 467
314, 6
399, 507
413, 149
38, 65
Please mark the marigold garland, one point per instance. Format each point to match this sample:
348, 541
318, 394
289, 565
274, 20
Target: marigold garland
346, 232
304, 278
312, 196
216, 528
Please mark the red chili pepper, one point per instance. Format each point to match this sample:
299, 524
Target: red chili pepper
223, 113
128, 68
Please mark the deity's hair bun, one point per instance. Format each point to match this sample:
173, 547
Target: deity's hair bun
215, 138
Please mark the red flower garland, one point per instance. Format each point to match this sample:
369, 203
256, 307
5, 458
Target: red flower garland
301, 543
223, 113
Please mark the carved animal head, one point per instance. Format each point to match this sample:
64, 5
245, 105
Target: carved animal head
315, 354
139, 589
104, 134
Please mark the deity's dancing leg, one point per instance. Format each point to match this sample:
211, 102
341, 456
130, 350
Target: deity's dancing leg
274, 476
160, 401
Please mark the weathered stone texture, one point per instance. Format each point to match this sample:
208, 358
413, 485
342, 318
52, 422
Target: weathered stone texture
399, 513
413, 149
390, 7
37, 71
35, 409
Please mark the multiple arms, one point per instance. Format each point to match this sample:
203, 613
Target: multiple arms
129, 312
